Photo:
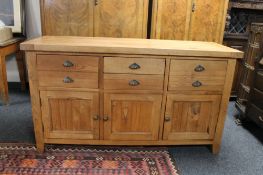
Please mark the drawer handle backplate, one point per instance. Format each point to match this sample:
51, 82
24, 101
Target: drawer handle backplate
68, 80
134, 66
197, 84
260, 118
134, 83
68, 64
199, 68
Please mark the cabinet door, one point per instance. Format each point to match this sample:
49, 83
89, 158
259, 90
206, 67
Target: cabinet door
208, 20
171, 19
121, 18
67, 17
131, 116
191, 116
70, 115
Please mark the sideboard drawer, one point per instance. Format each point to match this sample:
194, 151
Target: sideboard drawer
68, 63
198, 67
196, 83
68, 79
135, 82
197, 75
134, 65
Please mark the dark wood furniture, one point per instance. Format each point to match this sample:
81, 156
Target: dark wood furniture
6, 50
254, 109
242, 13
247, 68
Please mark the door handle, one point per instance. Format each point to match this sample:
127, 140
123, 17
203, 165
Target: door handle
193, 7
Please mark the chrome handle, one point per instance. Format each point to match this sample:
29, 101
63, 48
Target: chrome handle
105, 118
197, 84
68, 64
134, 66
134, 83
68, 80
96, 117
167, 119
260, 118
199, 68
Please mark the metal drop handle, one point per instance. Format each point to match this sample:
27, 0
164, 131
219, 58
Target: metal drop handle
68, 63
260, 118
167, 119
134, 66
199, 68
197, 84
134, 83
68, 80
96, 117
105, 118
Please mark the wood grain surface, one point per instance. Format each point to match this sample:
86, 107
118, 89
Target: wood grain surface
67, 17
121, 18
130, 46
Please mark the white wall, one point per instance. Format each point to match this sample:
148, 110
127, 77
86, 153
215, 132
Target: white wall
33, 29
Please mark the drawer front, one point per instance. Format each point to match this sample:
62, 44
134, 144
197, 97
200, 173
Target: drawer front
134, 65
67, 63
196, 83
255, 114
259, 80
197, 75
133, 82
257, 98
68, 79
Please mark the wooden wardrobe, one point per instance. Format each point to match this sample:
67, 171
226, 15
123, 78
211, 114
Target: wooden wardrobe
202, 20
98, 18
196, 20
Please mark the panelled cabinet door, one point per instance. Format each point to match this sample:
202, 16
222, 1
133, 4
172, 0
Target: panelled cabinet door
121, 18
131, 116
171, 19
197, 20
191, 116
67, 17
70, 115
208, 20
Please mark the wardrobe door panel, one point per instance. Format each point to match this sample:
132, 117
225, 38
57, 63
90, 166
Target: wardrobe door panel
121, 18
208, 20
67, 17
171, 19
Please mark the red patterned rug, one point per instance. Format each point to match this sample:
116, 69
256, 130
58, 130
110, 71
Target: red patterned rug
70, 160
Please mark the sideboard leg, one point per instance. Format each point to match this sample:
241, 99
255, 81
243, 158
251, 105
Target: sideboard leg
35, 100
40, 147
21, 69
215, 148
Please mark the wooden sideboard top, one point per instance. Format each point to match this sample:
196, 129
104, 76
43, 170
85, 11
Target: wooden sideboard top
130, 46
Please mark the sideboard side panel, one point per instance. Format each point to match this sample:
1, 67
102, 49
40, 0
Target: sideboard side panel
224, 106
35, 100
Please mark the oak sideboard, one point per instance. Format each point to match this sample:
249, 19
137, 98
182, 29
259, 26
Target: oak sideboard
117, 91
